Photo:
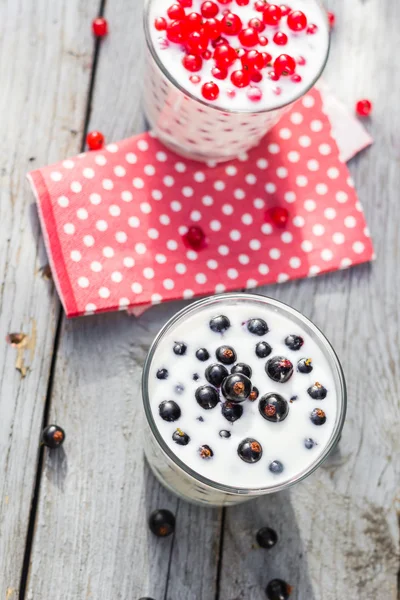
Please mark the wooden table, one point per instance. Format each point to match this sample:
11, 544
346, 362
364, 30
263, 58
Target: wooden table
73, 523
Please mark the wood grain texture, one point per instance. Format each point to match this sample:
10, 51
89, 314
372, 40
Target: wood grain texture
45, 63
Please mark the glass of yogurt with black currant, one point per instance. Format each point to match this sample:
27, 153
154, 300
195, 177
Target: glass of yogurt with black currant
220, 73
243, 396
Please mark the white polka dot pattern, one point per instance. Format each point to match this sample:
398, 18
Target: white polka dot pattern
120, 216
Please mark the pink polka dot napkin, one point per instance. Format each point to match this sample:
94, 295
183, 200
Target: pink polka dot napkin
113, 219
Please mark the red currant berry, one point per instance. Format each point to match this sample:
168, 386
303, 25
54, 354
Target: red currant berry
297, 20
296, 78
254, 94
230, 93
176, 12
240, 78
311, 29
253, 59
207, 55
192, 62
284, 65
160, 24
256, 76
279, 215
273, 76
224, 1
95, 140
267, 58
186, 3
100, 27
280, 38
242, 2
219, 41
219, 73
364, 108
272, 15
331, 19
176, 32
224, 56
197, 42
301, 60
194, 22
260, 5
256, 24
195, 238
248, 37
231, 24
262, 40
213, 29
195, 79
285, 10
210, 91
209, 10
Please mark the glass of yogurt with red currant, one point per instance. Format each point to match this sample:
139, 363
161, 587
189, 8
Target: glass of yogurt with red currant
220, 73
243, 396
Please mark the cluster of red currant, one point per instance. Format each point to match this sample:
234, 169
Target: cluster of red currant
205, 35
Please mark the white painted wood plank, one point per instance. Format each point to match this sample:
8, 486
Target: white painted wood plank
45, 61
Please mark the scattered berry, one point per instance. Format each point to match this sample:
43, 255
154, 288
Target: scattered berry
279, 215
280, 38
200, 419
317, 391
176, 12
180, 348
252, 59
206, 452
219, 73
224, 55
273, 407
176, 32
301, 61
196, 377
263, 350
213, 29
196, 42
95, 140
296, 78
236, 388
312, 28
256, 24
180, 437
309, 443
257, 326
195, 237
209, 9
297, 20
254, 394
207, 397
220, 324
240, 78
100, 27
224, 433
272, 15
331, 19
226, 355
210, 91
195, 79
285, 10
284, 65
160, 24
248, 37
207, 55
294, 342
215, 374
318, 417
243, 369
266, 537
250, 450
278, 590
364, 108
263, 41
260, 5
293, 399
162, 374
202, 354
232, 411
186, 3
53, 436
192, 62
279, 369
276, 467
305, 365
231, 24
162, 523
169, 410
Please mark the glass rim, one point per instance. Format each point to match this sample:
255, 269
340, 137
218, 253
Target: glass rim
334, 364
175, 83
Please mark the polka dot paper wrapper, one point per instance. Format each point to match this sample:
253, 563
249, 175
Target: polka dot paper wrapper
113, 219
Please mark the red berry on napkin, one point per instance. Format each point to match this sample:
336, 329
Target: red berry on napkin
195, 238
100, 27
279, 215
364, 108
331, 19
95, 140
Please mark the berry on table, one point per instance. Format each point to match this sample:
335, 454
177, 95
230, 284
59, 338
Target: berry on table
243, 369
100, 27
331, 19
318, 417
162, 523
236, 388
192, 62
210, 91
257, 326
195, 237
317, 391
180, 437
277, 589
176, 12
95, 140
276, 467
279, 215
160, 24
53, 436
240, 78
169, 410
225, 434
273, 407
309, 443
250, 450
202, 354
294, 342
280, 38
209, 9
215, 374
220, 324
232, 411
266, 537
162, 374
226, 355
207, 397
231, 24
272, 14
284, 65
364, 108
279, 369
180, 348
248, 37
263, 350
304, 365
297, 20
205, 452
254, 394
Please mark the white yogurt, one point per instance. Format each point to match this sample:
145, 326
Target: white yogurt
283, 441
